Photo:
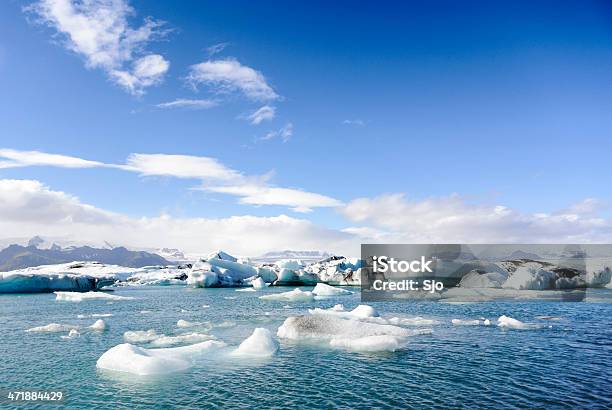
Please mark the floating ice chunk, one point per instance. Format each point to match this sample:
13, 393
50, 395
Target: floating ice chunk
52, 328
185, 323
511, 323
487, 322
295, 295
464, 322
95, 315
132, 359
258, 283
328, 327
73, 333
79, 297
165, 341
290, 264
379, 343
98, 326
205, 306
140, 336
412, 321
325, 290
259, 344
360, 312
246, 290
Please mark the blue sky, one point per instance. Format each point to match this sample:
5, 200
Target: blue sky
474, 104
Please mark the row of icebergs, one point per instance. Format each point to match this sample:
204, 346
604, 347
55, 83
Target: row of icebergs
219, 269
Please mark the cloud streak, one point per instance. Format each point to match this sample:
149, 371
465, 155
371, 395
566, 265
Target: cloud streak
197, 104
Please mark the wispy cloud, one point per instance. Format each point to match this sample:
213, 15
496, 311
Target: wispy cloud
356, 122
285, 133
216, 48
99, 31
214, 176
188, 103
228, 75
265, 113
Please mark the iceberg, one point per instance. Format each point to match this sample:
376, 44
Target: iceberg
52, 328
140, 336
127, 358
79, 297
259, 344
98, 326
74, 276
295, 295
321, 289
345, 333
360, 312
475, 279
258, 283
507, 322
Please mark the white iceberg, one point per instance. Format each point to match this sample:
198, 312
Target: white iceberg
321, 289
52, 328
81, 296
360, 312
73, 276
189, 338
259, 344
295, 295
140, 336
99, 325
511, 323
258, 283
346, 333
128, 358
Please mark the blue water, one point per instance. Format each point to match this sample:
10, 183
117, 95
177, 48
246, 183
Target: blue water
566, 365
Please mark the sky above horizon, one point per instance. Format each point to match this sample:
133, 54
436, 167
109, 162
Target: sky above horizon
260, 126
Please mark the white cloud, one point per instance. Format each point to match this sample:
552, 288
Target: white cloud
99, 31
213, 174
452, 219
29, 208
297, 200
285, 133
228, 75
181, 166
188, 103
13, 158
356, 122
265, 113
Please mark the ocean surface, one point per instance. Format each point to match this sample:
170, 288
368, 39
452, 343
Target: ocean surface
565, 363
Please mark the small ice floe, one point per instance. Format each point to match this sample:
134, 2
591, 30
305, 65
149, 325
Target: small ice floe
95, 315
246, 290
466, 322
349, 334
81, 296
71, 335
229, 297
188, 338
98, 326
127, 358
140, 336
506, 322
321, 289
52, 328
185, 323
259, 344
295, 295
205, 306
145, 312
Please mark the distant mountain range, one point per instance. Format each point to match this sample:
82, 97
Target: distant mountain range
19, 256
